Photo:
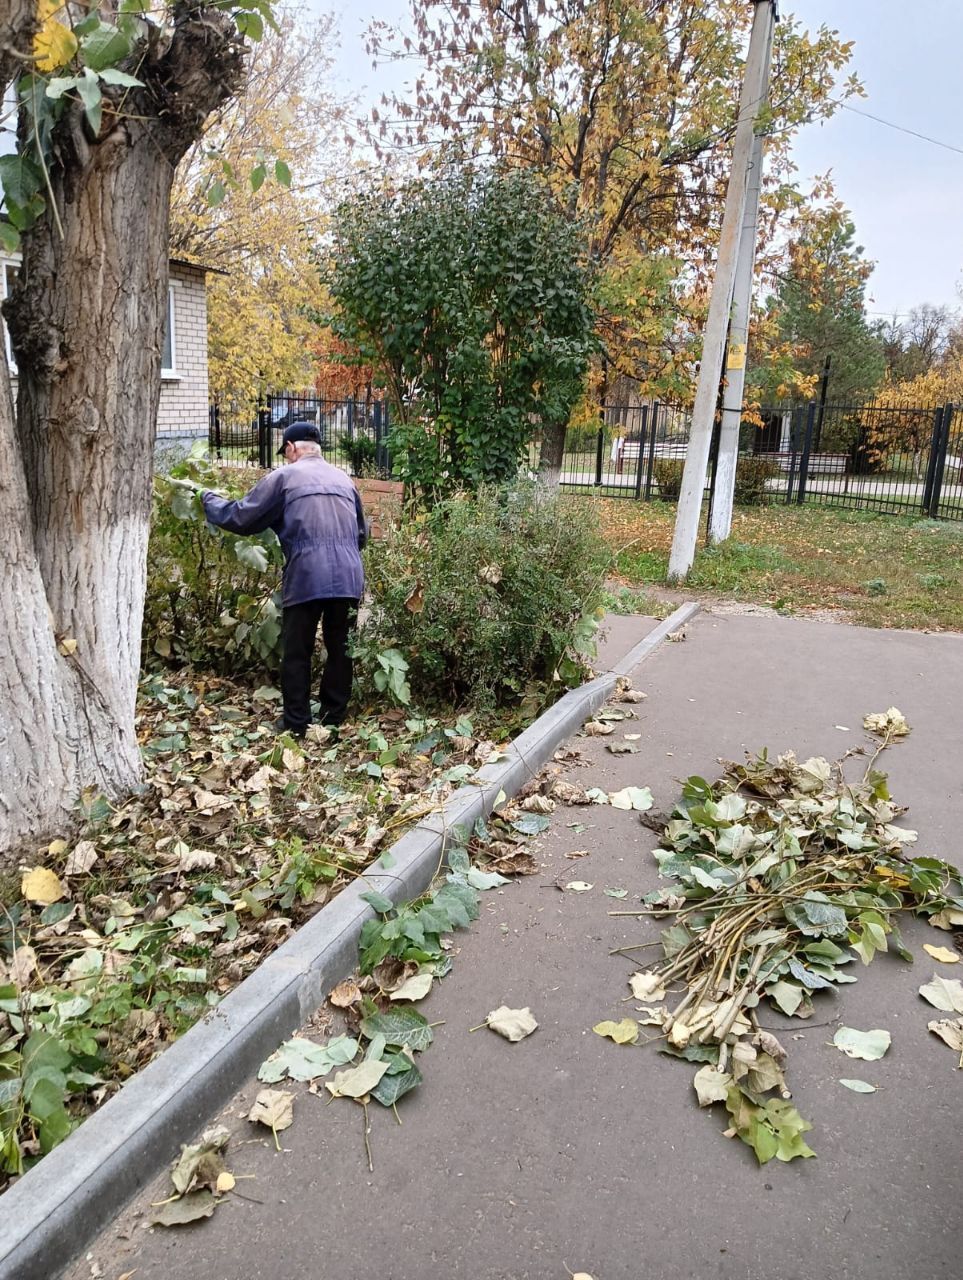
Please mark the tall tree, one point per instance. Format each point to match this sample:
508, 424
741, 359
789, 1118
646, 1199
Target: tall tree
920, 341
468, 295
264, 237
109, 102
628, 108
819, 309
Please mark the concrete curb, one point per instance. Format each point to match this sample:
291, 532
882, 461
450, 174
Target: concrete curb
55, 1209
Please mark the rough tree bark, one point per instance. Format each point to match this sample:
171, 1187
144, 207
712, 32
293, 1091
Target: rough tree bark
86, 322
551, 454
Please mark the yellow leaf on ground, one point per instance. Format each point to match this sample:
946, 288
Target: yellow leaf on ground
624, 1032
943, 954
225, 1182
41, 886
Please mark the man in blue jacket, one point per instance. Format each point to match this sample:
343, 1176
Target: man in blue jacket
317, 515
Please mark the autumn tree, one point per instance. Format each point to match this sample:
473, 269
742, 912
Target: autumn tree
920, 342
818, 309
628, 110
109, 103
263, 309
468, 295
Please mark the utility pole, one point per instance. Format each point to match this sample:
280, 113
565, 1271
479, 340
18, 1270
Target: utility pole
754, 85
727, 458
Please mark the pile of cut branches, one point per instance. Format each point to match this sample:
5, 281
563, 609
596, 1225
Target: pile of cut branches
784, 873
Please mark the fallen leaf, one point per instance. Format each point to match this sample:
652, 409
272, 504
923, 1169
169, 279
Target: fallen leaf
949, 1032
858, 1086
225, 1182
949, 918
578, 853
42, 886
197, 860
23, 965
199, 1204
67, 645
638, 798
868, 1045
616, 893
891, 723
624, 1032
647, 986
538, 804
200, 1164
357, 1081
622, 748
632, 695
303, 1059
943, 954
944, 993
596, 729
516, 864
56, 847
579, 886
345, 994
711, 1085
273, 1108
513, 1024
81, 858
652, 1017
414, 988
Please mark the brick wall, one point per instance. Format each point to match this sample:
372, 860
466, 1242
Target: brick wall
184, 392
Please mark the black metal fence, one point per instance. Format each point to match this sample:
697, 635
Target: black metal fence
896, 460
876, 457
353, 432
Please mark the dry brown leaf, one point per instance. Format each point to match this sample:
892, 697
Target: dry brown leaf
81, 858
632, 695
345, 994
569, 793
597, 729
274, 1108
23, 966
950, 1031
538, 804
514, 864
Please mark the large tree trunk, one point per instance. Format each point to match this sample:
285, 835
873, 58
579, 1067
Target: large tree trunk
86, 321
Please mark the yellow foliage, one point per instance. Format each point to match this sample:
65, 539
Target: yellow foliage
54, 44
263, 309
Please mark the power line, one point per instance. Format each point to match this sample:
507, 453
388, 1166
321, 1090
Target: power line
947, 146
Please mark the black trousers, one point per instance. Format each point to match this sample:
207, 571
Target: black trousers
299, 629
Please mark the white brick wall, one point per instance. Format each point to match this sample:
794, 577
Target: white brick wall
184, 394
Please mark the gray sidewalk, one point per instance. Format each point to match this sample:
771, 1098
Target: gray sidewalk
515, 1162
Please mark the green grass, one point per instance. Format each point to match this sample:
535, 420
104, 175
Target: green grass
877, 570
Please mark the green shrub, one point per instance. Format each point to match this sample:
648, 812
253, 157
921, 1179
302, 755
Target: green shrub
668, 476
752, 475
361, 451
489, 599
211, 596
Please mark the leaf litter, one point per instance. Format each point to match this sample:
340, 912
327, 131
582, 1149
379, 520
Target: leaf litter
125, 935
782, 874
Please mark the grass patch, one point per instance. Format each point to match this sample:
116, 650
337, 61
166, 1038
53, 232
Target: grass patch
883, 571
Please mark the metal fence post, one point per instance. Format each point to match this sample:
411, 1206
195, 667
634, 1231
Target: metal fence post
214, 427
793, 440
935, 438
650, 465
265, 461
940, 466
599, 449
807, 449
643, 428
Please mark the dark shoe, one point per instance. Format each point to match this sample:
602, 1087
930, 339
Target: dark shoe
281, 727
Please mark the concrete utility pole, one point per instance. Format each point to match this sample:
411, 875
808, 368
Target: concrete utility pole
720, 518
754, 85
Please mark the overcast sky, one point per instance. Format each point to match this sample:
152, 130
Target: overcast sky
906, 195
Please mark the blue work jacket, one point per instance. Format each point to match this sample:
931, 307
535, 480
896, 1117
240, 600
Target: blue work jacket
317, 515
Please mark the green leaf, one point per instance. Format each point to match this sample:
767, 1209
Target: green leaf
303, 1059
378, 900
20, 177
399, 1027
9, 237
858, 1086
252, 555
868, 1045
282, 173
258, 175
112, 75
104, 47
88, 90
216, 193
786, 996
485, 879
392, 1087
531, 824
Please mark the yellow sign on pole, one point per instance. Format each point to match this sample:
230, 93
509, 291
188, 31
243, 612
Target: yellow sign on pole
737, 356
